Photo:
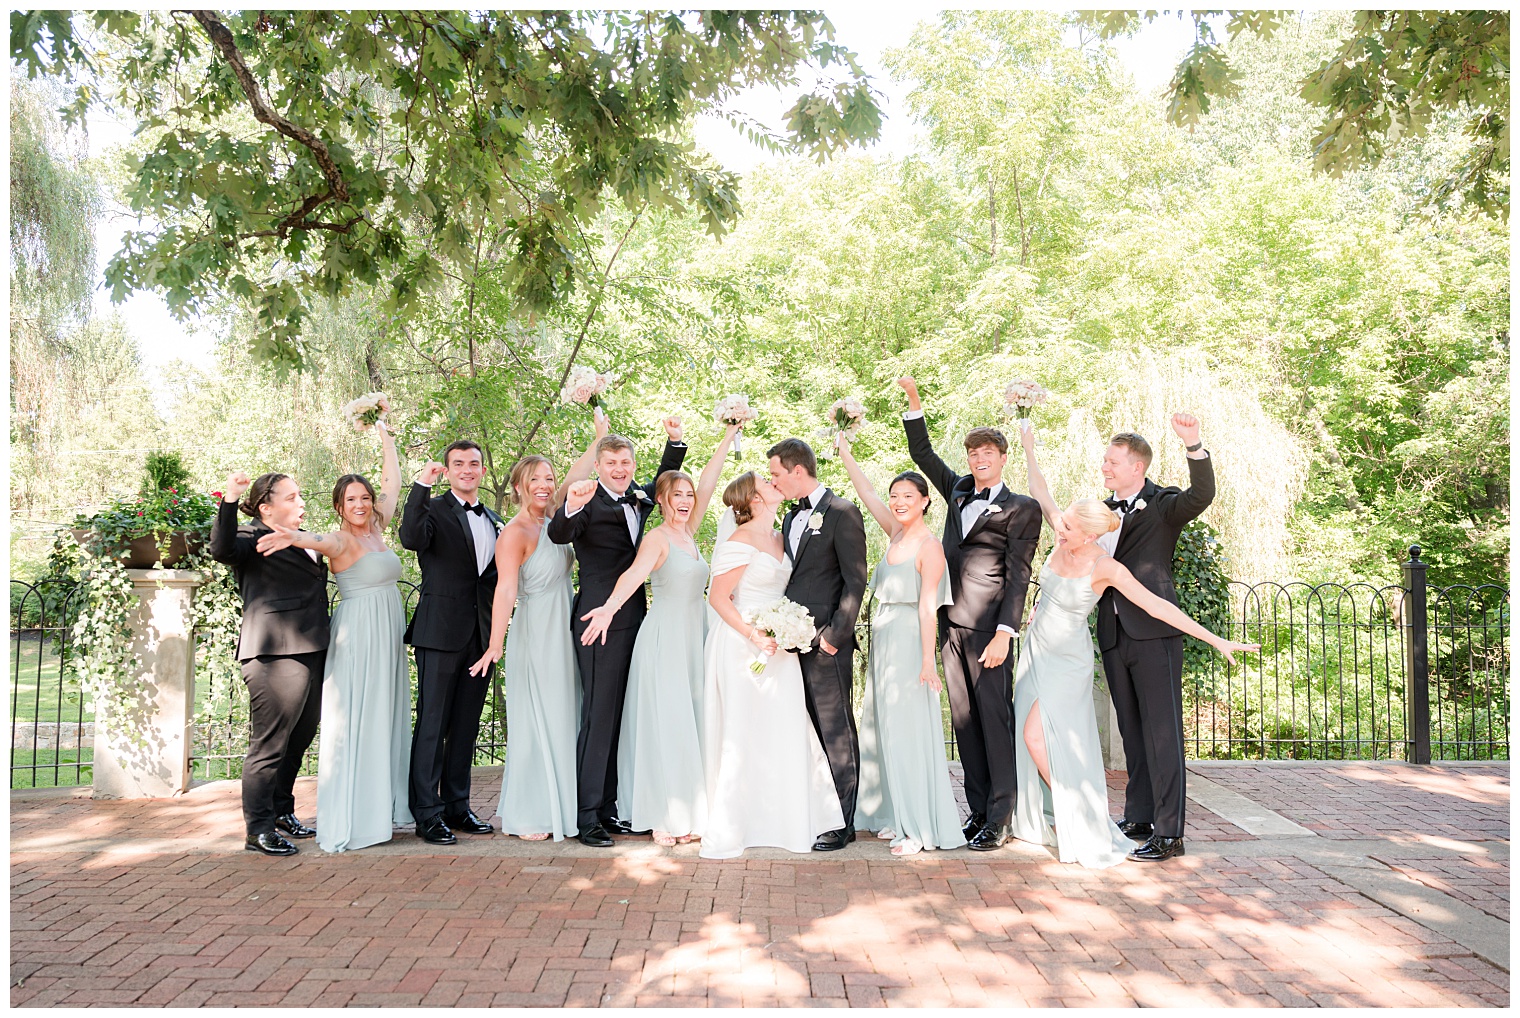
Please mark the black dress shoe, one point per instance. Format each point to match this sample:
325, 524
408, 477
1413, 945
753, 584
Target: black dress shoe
1158, 848
617, 826
990, 837
293, 827
270, 843
435, 831
1136, 831
833, 841
973, 824
469, 823
595, 836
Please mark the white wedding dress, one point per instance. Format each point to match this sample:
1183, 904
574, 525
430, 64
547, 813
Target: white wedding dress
768, 780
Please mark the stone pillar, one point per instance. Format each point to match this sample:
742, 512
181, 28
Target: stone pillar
1108, 722
163, 639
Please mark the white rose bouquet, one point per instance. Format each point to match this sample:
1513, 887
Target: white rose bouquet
786, 622
586, 385
365, 411
1023, 396
846, 417
735, 409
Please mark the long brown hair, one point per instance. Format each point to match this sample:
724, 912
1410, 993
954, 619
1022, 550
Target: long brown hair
340, 491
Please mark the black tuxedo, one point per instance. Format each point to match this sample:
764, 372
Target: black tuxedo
829, 580
604, 549
990, 567
282, 646
448, 633
1142, 656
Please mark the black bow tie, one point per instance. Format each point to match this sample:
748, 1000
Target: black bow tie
979, 496
805, 504
1122, 506
479, 508
628, 498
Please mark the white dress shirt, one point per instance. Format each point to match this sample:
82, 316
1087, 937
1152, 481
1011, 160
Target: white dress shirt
800, 521
483, 532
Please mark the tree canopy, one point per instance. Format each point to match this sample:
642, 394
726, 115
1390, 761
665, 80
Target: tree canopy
301, 153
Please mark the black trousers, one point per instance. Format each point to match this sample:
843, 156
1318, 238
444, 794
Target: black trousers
826, 681
604, 684
449, 702
981, 712
284, 706
1145, 681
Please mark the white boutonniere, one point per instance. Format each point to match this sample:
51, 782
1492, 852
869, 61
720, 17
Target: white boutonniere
641, 494
1139, 504
993, 507
815, 522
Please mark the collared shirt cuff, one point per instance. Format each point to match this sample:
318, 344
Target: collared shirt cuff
571, 512
1009, 630
912, 415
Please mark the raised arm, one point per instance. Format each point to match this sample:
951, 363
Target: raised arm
332, 545
390, 476
564, 528
1190, 503
227, 545
674, 455
652, 553
863, 487
582, 467
1109, 573
416, 530
708, 482
1037, 486
511, 550
920, 448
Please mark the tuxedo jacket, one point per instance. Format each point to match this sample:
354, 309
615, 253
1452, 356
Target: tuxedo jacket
989, 565
284, 594
829, 567
603, 548
455, 598
1147, 544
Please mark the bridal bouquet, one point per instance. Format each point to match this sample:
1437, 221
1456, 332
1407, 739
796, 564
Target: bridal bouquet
363, 412
847, 417
586, 385
735, 409
787, 622
1022, 396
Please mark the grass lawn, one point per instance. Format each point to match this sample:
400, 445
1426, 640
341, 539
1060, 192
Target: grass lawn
36, 694
62, 767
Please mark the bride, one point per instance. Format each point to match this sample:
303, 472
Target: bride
768, 780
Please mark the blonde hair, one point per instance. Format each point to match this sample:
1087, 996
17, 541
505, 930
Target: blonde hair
521, 471
738, 495
1094, 518
666, 481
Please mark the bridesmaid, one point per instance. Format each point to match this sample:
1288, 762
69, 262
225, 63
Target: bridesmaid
904, 777
660, 778
366, 695
533, 573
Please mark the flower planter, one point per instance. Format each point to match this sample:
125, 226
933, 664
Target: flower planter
142, 552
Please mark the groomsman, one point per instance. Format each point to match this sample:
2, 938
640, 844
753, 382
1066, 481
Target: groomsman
990, 535
825, 540
605, 523
454, 536
1142, 656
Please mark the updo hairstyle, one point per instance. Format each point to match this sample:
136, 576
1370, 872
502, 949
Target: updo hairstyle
738, 495
918, 481
259, 493
1094, 518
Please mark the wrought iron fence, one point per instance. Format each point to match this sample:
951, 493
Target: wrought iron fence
1345, 672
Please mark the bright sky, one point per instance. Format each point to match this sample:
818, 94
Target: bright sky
1150, 57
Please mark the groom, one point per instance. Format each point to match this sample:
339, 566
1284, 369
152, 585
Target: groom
605, 521
825, 539
990, 534
1142, 657
454, 536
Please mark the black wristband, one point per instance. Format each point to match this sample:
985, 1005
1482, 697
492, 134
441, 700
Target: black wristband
1193, 448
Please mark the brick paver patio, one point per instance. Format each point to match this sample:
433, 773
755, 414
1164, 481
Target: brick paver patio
155, 903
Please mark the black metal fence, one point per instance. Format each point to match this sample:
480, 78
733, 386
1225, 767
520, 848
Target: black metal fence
1345, 672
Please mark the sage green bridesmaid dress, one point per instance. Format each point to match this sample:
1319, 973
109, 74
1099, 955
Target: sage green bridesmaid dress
365, 750
904, 774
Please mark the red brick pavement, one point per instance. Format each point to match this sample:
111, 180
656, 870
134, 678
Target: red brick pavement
1481, 882
1354, 801
951, 930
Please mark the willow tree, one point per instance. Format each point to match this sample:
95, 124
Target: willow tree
297, 154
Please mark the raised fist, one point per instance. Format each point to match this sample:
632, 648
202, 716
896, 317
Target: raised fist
1186, 426
909, 385
430, 473
579, 494
673, 427
237, 483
